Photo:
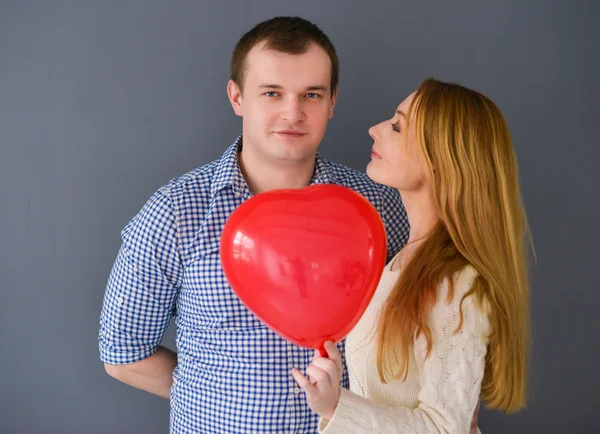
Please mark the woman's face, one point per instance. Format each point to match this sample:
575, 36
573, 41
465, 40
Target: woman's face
395, 159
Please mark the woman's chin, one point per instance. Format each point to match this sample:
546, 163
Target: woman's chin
376, 173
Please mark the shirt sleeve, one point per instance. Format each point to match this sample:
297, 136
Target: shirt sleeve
450, 380
139, 299
395, 220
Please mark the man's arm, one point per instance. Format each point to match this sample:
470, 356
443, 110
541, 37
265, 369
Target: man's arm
153, 374
139, 300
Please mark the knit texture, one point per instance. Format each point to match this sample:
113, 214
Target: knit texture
441, 392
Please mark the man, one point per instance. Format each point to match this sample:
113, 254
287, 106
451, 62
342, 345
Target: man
230, 374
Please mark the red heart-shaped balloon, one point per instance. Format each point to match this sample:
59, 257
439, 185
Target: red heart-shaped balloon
307, 261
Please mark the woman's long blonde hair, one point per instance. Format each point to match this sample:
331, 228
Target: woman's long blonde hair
466, 149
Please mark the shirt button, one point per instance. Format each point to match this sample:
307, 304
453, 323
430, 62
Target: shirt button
120, 300
296, 390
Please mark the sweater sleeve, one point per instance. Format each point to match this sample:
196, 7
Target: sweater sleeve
450, 378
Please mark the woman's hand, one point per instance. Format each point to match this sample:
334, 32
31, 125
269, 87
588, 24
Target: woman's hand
322, 387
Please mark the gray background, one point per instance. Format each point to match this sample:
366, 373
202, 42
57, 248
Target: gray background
102, 102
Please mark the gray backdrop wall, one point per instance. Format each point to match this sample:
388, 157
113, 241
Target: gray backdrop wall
102, 102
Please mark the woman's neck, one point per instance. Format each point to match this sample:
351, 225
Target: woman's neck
421, 212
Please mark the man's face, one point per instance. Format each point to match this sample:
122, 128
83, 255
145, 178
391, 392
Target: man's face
285, 102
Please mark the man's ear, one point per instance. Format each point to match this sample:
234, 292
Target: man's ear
333, 101
235, 97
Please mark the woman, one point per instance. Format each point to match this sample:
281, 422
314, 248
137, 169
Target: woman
449, 322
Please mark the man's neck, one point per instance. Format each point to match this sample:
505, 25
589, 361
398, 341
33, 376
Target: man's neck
262, 175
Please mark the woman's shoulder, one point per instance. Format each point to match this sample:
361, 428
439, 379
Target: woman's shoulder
461, 295
461, 283
464, 279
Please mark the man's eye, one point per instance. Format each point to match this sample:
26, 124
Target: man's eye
313, 95
272, 94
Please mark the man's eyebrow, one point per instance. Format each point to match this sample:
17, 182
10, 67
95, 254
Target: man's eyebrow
277, 86
323, 88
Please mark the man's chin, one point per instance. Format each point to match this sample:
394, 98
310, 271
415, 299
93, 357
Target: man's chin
293, 151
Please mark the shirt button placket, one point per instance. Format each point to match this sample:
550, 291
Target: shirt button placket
292, 382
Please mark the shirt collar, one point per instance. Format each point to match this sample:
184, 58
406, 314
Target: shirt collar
228, 172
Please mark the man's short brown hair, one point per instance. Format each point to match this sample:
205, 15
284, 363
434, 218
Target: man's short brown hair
291, 35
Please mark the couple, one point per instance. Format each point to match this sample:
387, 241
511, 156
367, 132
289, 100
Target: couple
448, 324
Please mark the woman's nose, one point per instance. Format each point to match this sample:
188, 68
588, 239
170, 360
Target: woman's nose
372, 131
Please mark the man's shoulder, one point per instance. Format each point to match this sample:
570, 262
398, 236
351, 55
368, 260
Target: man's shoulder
204, 181
191, 186
190, 191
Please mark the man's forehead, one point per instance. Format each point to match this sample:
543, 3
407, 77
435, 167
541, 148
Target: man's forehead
265, 65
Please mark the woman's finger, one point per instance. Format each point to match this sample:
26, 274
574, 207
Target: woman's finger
303, 382
327, 365
317, 375
334, 354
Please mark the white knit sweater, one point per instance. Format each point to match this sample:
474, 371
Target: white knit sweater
440, 394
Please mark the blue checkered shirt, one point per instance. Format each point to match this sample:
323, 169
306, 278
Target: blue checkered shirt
233, 374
